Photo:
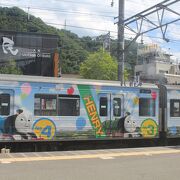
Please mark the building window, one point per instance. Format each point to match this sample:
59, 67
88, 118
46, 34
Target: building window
4, 104
163, 72
138, 73
45, 105
68, 105
117, 107
103, 107
147, 107
175, 108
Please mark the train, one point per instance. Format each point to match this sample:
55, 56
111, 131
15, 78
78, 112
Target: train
48, 109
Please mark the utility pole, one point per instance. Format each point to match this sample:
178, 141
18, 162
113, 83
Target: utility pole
120, 48
65, 24
28, 18
107, 42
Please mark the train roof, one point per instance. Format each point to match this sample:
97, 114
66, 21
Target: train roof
173, 86
36, 79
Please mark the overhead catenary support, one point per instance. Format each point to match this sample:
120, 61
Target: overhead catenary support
144, 17
137, 23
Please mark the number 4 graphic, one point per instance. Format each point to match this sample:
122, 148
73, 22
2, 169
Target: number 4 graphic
47, 131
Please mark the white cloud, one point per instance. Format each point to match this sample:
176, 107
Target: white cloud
176, 56
174, 31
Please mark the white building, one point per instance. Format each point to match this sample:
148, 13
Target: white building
153, 64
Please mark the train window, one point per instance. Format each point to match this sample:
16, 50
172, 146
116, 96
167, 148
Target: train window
68, 105
4, 104
147, 107
45, 105
175, 108
117, 107
103, 108
145, 91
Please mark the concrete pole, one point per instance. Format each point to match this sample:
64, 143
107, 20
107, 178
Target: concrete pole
120, 48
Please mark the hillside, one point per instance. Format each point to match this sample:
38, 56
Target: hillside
73, 50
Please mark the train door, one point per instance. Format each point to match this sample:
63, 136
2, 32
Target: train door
173, 112
111, 109
6, 107
149, 113
6, 102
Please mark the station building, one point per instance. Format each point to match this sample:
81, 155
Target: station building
34, 53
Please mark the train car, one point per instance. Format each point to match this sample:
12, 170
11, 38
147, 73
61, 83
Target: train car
171, 110
42, 108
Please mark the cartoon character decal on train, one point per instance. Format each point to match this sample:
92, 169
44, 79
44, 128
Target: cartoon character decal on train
130, 127
22, 127
18, 126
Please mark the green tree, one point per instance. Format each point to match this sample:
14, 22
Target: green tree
99, 65
72, 53
10, 68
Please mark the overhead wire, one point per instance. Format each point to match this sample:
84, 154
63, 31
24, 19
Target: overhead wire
78, 2
102, 30
101, 14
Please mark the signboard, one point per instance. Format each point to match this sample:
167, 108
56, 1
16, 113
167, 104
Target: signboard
33, 53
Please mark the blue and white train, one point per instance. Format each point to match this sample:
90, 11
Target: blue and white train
44, 109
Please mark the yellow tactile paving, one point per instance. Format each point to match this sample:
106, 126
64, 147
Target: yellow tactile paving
101, 154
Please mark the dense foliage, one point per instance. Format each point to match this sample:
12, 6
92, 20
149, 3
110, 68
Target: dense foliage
73, 49
99, 65
10, 68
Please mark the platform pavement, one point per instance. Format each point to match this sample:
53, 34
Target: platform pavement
87, 154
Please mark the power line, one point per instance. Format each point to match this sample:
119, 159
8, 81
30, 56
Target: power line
73, 26
82, 3
100, 14
77, 2
102, 30
65, 11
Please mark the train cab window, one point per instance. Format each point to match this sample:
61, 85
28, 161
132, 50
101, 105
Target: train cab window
147, 107
4, 104
103, 108
45, 105
117, 107
68, 105
175, 108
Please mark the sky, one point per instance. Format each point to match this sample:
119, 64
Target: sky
96, 17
